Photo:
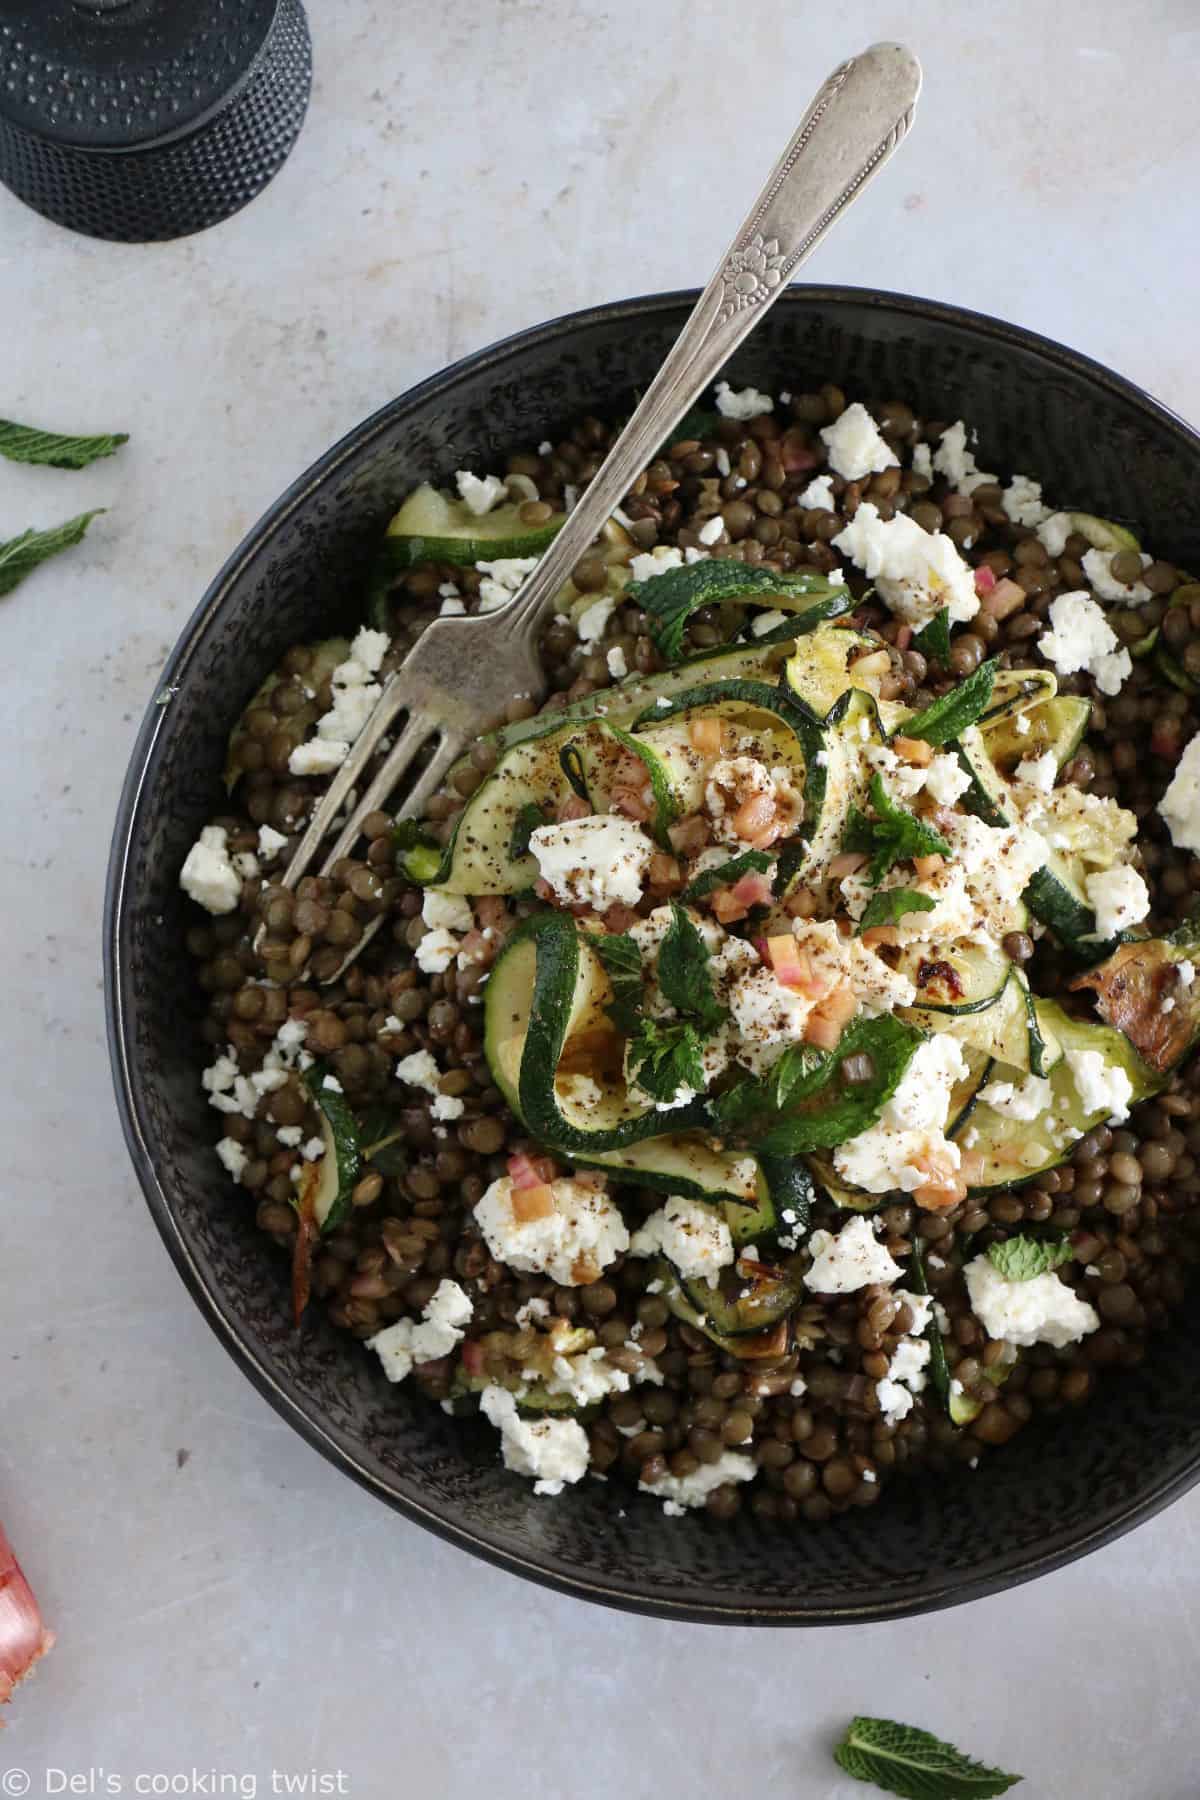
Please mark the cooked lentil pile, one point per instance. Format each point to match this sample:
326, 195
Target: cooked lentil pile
860, 1325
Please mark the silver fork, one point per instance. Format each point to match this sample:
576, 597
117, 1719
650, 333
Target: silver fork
464, 669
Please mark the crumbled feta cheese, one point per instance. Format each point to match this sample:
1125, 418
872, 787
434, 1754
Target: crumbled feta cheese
902, 780
955, 913
572, 1243
593, 861
1039, 771
1119, 898
618, 668
724, 466
946, 779
545, 448
733, 780
916, 572
895, 1400
1028, 1101
447, 1106
1185, 973
501, 580
693, 1236
318, 757
452, 912
1022, 501
1053, 532
1180, 805
852, 1259
534, 1309
552, 1452
919, 1305
290, 1136
1102, 1087
367, 651
442, 1327
419, 1070
922, 461
270, 842
909, 1361
451, 607
818, 495
745, 403
479, 495
208, 876
593, 620
1097, 566
655, 562
1082, 640
997, 862
855, 445
1043, 1310
448, 590
953, 460
906, 1148
233, 1156
767, 621
1021, 725
711, 529
436, 951
313, 1150
680, 1491
333, 1085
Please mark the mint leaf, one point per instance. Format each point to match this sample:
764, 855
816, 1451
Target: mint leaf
890, 904
570, 761
901, 1759
664, 1056
1021, 1258
894, 836
525, 824
26, 444
726, 873
803, 1105
933, 640
669, 599
948, 717
683, 971
21, 555
623, 964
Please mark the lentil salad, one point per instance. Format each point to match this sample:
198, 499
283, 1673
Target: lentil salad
581, 1324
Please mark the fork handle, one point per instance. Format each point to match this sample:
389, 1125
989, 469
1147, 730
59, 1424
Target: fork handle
851, 129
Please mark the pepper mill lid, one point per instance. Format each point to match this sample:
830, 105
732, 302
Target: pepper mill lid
148, 119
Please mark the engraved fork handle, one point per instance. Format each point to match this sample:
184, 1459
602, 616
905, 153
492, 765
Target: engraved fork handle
851, 129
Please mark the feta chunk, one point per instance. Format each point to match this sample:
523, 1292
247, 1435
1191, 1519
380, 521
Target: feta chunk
953, 460
734, 780
618, 668
1119, 898
1081, 640
442, 1327
922, 461
552, 1452
270, 843
1028, 1101
895, 1400
906, 1148
572, 1243
1041, 1311
318, 756
233, 1156
419, 1070
208, 876
766, 621
693, 1236
852, 1259
1097, 566
946, 779
818, 495
593, 861
855, 445
1053, 532
916, 572
650, 563
711, 529
744, 403
450, 911
1040, 772
678, 1492
1022, 501
501, 579
1180, 805
436, 951
479, 496
1101, 1086
592, 622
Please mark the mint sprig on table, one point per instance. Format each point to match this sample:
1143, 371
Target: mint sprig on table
892, 904
903, 1760
950, 716
893, 836
1023, 1258
26, 444
21, 555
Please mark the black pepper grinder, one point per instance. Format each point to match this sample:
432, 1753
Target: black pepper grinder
148, 119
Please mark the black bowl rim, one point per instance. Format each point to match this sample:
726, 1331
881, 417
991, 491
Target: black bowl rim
1000, 1571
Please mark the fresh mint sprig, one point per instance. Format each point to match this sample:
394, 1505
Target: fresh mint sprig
903, 1760
893, 836
21, 555
26, 444
1023, 1258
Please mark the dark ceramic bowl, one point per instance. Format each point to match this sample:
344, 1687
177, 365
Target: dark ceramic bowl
1061, 1488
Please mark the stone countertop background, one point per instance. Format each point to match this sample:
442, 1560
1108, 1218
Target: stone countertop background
225, 1601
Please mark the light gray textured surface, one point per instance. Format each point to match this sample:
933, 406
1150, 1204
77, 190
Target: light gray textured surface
250, 1609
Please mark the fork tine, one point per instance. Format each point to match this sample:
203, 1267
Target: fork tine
419, 729
392, 701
